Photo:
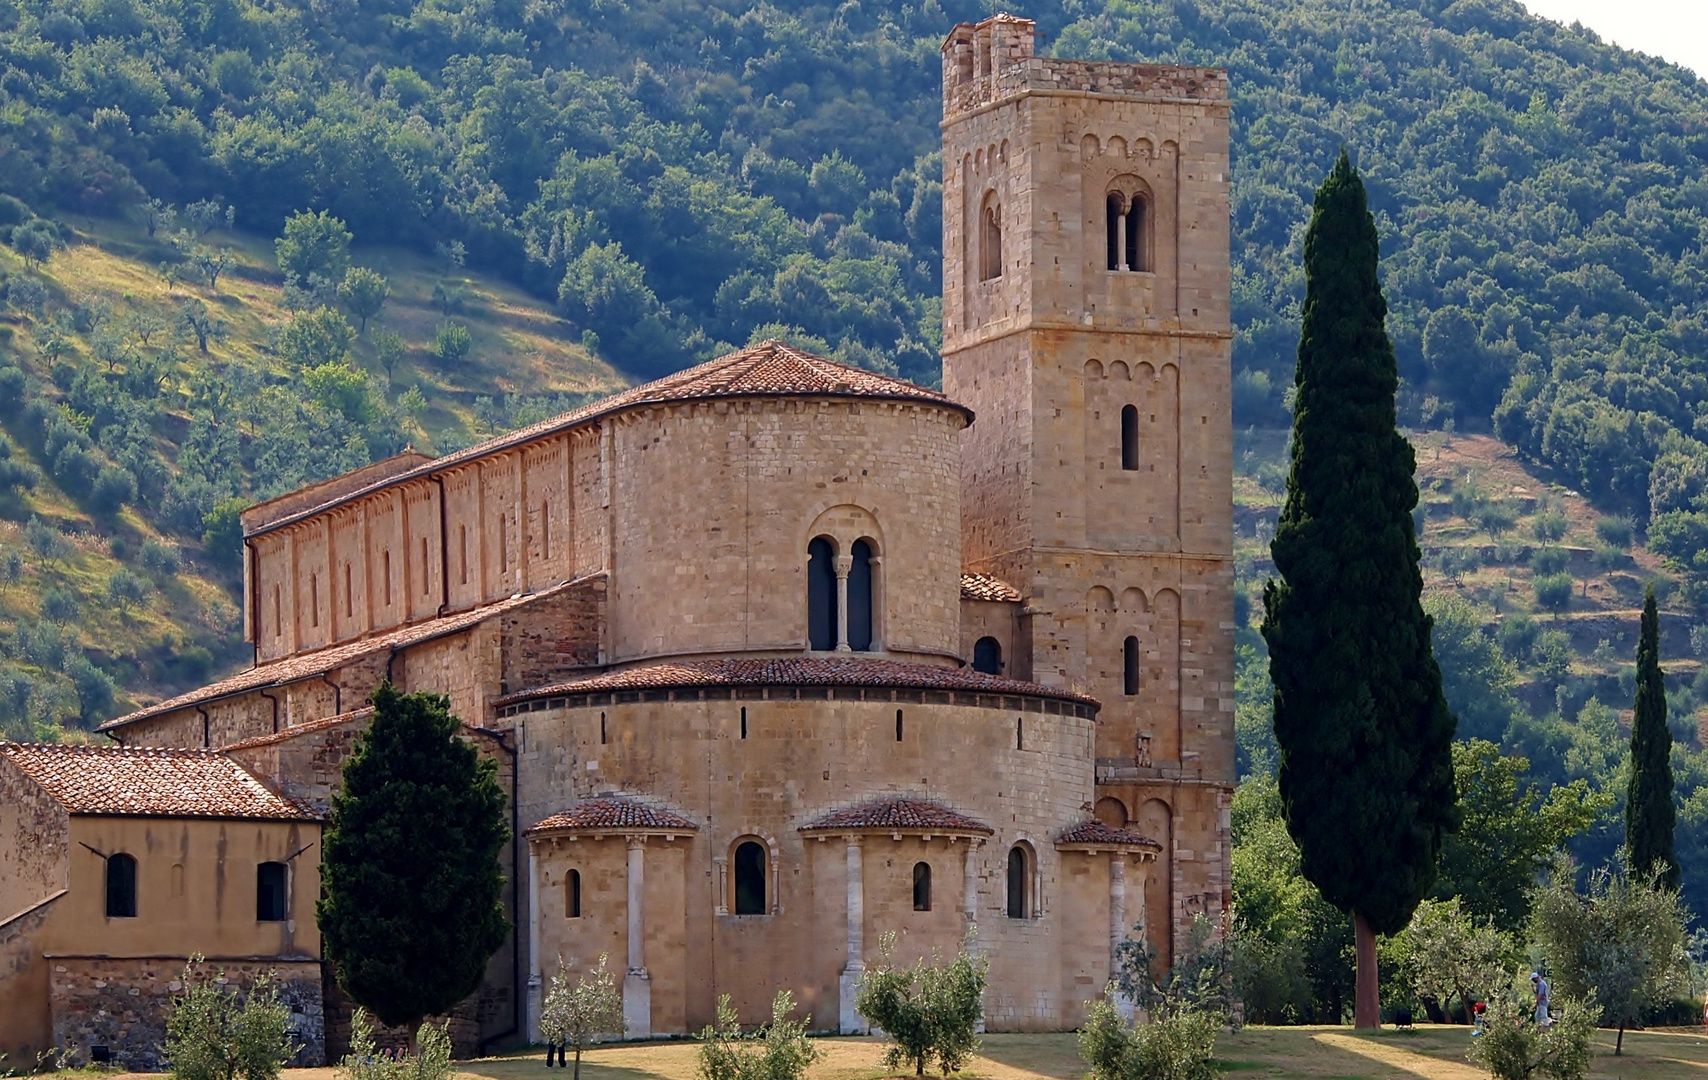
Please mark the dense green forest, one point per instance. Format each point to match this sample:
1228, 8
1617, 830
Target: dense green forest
671, 178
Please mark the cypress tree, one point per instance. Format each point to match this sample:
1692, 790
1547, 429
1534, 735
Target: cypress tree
1366, 770
1649, 814
411, 886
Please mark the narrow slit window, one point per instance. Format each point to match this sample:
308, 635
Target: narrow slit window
601, 729
1019, 733
386, 559
572, 895
278, 613
750, 878
744, 722
426, 570
1130, 666
1129, 438
314, 599
922, 886
545, 530
503, 545
463, 545
898, 725
121, 886
271, 897
349, 593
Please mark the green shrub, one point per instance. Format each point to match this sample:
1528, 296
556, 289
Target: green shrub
1174, 1046
929, 1011
1516, 636
779, 1050
1548, 560
215, 1033
1513, 1047
1549, 526
1554, 591
452, 342
430, 1061
1615, 531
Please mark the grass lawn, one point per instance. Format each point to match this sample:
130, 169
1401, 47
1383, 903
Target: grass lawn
1319, 1053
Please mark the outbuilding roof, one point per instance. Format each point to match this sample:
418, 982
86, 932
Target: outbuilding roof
123, 781
614, 813
1094, 833
769, 369
988, 587
799, 671
311, 665
899, 815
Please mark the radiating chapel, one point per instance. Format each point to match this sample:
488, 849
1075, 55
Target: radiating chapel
777, 656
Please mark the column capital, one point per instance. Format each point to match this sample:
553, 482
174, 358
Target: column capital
635, 840
843, 564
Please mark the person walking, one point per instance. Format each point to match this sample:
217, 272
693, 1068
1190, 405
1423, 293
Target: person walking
1542, 998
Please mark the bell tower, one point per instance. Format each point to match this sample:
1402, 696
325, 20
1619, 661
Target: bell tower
1085, 321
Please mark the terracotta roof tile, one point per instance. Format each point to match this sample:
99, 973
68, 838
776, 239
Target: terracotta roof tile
1092, 831
311, 664
615, 812
768, 369
899, 815
799, 671
150, 782
298, 731
988, 587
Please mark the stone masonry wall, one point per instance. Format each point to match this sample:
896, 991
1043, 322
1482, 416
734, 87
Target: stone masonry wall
122, 1004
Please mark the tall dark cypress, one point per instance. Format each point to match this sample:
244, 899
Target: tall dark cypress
1649, 814
1365, 733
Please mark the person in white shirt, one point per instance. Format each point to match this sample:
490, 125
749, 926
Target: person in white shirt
1542, 1001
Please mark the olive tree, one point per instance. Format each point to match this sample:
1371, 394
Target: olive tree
779, 1050
580, 1015
216, 1033
930, 1011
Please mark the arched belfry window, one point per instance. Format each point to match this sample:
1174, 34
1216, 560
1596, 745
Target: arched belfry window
121, 886
990, 239
922, 886
750, 878
1127, 229
860, 597
1130, 666
1129, 438
987, 656
1019, 883
821, 594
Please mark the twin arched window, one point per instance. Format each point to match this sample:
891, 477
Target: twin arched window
1128, 232
828, 590
121, 886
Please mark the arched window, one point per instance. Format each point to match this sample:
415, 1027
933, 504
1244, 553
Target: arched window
921, 886
1129, 438
572, 895
990, 239
1130, 666
1114, 206
750, 878
121, 887
1135, 238
987, 656
860, 597
1019, 882
821, 594
270, 903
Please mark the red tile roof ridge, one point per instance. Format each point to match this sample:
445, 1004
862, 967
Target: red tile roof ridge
799, 671
309, 665
765, 369
1101, 834
616, 813
150, 781
904, 814
286, 734
988, 587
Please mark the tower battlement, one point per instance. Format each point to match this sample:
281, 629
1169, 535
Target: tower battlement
987, 62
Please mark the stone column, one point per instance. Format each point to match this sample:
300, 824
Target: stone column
844, 563
878, 603
637, 984
534, 987
1121, 241
970, 885
1118, 924
849, 1021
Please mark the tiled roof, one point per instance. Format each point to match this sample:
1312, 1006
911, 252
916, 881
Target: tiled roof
615, 812
899, 815
768, 369
799, 671
312, 664
987, 587
1094, 832
299, 730
149, 782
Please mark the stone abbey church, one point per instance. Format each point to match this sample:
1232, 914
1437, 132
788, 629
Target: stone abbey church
776, 656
